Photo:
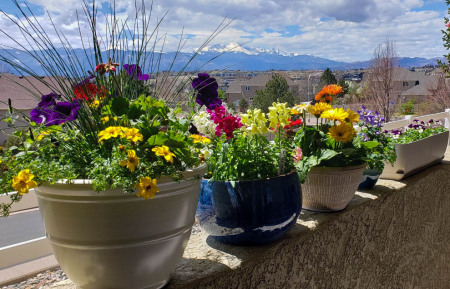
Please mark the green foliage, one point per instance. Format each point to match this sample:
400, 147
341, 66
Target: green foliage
327, 78
119, 128
407, 108
446, 40
319, 149
222, 95
276, 90
243, 104
247, 158
385, 150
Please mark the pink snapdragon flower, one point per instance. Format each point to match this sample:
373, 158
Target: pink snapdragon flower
218, 113
226, 123
298, 154
447, 25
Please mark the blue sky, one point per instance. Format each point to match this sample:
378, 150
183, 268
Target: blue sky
345, 30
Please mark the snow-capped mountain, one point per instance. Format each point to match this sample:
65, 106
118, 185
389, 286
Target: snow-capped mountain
231, 56
235, 47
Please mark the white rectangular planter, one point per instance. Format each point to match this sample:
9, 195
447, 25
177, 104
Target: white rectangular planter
416, 156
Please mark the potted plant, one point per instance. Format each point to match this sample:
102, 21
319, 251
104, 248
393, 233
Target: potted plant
251, 193
371, 130
334, 157
97, 148
417, 147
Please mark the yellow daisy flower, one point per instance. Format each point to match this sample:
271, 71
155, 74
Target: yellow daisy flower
353, 117
341, 132
105, 119
164, 151
133, 135
94, 104
23, 182
335, 114
319, 108
132, 161
199, 138
109, 132
147, 188
300, 108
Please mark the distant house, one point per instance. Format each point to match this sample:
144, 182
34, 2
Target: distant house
409, 84
24, 93
247, 88
414, 85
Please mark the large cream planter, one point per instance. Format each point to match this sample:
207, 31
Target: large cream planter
114, 239
416, 156
328, 189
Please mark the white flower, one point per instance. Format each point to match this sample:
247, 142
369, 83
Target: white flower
204, 124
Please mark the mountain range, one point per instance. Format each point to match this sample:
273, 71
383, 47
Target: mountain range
231, 56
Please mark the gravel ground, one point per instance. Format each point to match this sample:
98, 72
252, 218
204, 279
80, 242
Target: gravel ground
40, 281
49, 277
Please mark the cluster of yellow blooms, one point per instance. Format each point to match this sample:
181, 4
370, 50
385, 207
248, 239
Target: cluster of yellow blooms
132, 134
344, 132
255, 120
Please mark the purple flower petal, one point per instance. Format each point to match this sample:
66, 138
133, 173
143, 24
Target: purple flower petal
48, 100
63, 112
40, 115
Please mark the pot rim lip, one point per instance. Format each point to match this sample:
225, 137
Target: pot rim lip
416, 141
255, 180
354, 167
188, 174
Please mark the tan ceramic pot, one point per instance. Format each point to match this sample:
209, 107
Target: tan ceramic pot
331, 188
416, 156
114, 239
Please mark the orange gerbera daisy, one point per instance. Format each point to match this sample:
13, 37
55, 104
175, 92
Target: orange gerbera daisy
327, 93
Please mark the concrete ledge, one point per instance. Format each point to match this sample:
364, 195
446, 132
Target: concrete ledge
395, 236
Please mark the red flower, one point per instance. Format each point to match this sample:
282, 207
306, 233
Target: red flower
228, 125
293, 123
85, 91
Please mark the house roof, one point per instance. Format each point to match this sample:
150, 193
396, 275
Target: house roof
260, 80
425, 85
404, 74
24, 92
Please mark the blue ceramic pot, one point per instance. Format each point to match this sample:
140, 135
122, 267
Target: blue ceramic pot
249, 212
369, 179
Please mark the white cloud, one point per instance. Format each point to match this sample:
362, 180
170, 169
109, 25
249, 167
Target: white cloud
347, 30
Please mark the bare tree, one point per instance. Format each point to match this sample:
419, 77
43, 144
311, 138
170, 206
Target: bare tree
380, 80
440, 91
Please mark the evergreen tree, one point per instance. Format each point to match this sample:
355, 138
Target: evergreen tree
327, 78
243, 105
276, 90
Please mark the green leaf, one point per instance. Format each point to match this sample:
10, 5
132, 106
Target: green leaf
134, 112
158, 139
370, 144
119, 106
326, 154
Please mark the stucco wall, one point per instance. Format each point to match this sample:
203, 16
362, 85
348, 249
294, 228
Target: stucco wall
398, 240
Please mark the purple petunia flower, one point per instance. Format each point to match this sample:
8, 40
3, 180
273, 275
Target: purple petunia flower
63, 112
87, 80
40, 115
206, 88
48, 100
136, 72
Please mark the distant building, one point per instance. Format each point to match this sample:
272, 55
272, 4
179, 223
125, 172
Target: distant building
247, 88
413, 84
25, 93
